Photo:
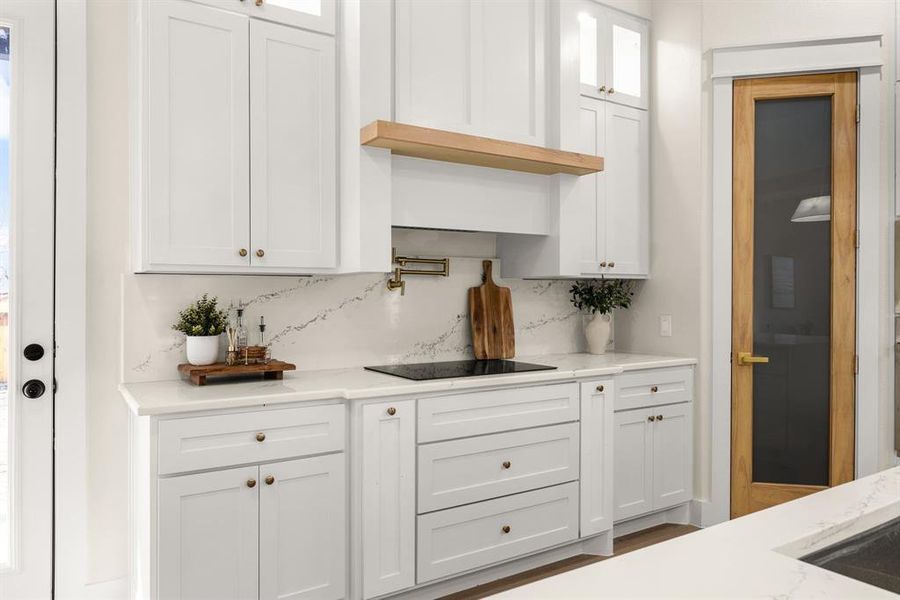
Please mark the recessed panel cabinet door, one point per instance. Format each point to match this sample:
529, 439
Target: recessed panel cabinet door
627, 167
302, 533
590, 190
198, 146
388, 497
208, 535
292, 136
633, 437
596, 456
673, 479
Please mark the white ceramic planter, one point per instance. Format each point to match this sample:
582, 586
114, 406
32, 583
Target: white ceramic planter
202, 349
597, 332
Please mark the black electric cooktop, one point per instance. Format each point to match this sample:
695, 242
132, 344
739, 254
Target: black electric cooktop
458, 368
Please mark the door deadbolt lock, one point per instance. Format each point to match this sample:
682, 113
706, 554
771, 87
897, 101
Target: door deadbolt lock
34, 388
33, 352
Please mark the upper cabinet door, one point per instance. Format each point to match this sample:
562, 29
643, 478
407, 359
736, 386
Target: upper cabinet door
197, 150
292, 121
208, 535
472, 66
590, 190
613, 55
302, 528
627, 60
627, 191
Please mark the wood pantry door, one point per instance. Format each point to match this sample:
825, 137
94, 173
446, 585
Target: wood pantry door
793, 287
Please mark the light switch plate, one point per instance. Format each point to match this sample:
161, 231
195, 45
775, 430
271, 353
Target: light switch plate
665, 325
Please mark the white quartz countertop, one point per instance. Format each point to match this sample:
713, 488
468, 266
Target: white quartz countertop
750, 557
171, 397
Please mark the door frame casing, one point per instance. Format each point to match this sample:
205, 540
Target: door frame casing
874, 326
748, 495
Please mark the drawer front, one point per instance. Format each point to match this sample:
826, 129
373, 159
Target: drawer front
470, 470
639, 389
462, 415
476, 535
199, 443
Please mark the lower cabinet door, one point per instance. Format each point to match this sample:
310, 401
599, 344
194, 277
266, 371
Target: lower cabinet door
633, 488
673, 469
302, 528
596, 456
476, 535
388, 497
208, 535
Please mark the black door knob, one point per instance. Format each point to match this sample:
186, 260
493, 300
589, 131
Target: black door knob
33, 388
34, 352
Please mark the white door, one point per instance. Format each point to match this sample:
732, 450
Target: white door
672, 452
596, 456
627, 60
302, 528
292, 104
209, 535
633, 488
626, 169
389, 497
198, 136
27, 90
590, 190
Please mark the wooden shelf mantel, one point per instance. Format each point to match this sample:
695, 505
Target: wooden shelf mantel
448, 146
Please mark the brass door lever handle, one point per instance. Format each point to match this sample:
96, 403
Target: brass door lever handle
746, 359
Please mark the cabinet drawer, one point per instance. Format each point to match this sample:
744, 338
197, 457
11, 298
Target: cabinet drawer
233, 439
459, 539
462, 415
639, 389
463, 471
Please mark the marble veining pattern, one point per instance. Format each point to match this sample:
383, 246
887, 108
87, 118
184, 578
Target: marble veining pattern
329, 322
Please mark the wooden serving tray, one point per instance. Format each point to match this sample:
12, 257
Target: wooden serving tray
274, 369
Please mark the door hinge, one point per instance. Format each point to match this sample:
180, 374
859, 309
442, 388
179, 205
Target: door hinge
856, 364
857, 113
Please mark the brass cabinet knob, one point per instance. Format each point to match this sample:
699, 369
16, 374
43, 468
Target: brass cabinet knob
602, 88
654, 389
260, 253
599, 388
259, 2
242, 252
260, 437
651, 418
270, 479
392, 411
659, 417
612, 264
506, 464
611, 90
603, 265
505, 529
251, 483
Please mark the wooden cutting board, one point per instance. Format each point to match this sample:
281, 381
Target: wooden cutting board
491, 318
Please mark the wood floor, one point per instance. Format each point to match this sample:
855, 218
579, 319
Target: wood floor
622, 545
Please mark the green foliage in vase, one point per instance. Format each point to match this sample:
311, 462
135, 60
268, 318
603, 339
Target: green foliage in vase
203, 317
602, 295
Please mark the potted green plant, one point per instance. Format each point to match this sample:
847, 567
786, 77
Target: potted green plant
598, 298
203, 323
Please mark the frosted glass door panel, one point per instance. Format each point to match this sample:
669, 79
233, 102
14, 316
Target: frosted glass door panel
627, 61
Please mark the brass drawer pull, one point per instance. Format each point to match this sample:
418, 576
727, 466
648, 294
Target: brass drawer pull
659, 417
603, 265
599, 388
505, 529
654, 389
392, 411
612, 263
506, 464
651, 418
611, 90
242, 252
260, 253
270, 479
602, 88
260, 437
251, 483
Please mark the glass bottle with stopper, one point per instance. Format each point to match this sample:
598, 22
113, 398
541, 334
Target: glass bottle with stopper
262, 340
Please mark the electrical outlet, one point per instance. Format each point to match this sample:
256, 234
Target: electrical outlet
665, 325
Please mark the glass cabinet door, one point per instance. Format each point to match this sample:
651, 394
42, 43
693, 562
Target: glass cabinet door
627, 60
317, 15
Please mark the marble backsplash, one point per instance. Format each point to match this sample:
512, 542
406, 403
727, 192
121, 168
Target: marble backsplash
343, 321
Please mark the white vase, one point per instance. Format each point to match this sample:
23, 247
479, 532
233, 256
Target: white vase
202, 349
597, 332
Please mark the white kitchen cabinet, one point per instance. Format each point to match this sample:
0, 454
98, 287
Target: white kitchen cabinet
292, 147
603, 222
316, 15
653, 459
234, 141
197, 151
388, 457
614, 55
472, 66
302, 528
209, 535
597, 433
